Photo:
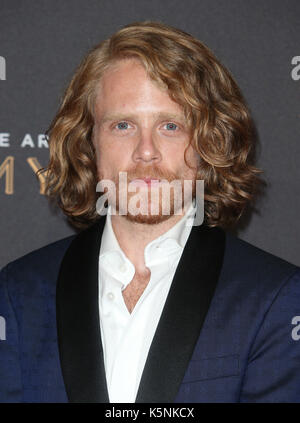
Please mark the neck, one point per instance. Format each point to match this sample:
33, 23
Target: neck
133, 237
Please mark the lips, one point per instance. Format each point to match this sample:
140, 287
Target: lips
150, 180
147, 180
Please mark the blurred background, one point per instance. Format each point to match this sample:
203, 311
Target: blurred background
42, 42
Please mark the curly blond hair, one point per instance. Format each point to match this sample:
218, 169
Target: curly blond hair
219, 121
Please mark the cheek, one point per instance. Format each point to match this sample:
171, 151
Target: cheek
191, 165
110, 161
185, 160
192, 157
102, 159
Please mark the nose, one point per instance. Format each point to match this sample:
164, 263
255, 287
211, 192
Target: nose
146, 150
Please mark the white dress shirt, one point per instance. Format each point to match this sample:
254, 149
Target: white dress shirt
126, 337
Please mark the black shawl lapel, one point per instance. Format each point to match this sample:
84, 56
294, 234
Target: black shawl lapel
180, 324
79, 336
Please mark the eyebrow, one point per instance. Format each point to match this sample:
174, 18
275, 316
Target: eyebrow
125, 116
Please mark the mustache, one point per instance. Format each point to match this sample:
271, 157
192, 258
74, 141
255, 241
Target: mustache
152, 172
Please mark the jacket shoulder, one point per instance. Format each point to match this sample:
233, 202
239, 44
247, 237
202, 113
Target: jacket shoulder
46, 259
254, 263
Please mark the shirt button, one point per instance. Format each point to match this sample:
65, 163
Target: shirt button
110, 296
123, 268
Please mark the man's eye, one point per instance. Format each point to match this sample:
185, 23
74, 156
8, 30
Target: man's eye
122, 125
171, 126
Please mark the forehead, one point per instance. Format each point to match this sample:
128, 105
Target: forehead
126, 84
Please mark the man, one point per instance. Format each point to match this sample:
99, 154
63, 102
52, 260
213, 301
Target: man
150, 307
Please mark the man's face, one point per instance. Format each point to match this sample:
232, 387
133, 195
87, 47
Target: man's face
141, 131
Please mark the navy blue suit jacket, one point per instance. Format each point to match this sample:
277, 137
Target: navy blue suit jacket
225, 334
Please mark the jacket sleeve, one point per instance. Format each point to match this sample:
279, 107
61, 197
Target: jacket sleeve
10, 367
273, 370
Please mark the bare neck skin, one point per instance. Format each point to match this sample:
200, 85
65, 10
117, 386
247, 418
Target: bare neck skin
133, 237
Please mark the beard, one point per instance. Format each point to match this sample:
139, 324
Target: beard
152, 204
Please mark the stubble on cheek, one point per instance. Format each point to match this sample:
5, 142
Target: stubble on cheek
157, 201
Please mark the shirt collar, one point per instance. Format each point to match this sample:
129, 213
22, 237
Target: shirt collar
160, 254
178, 233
